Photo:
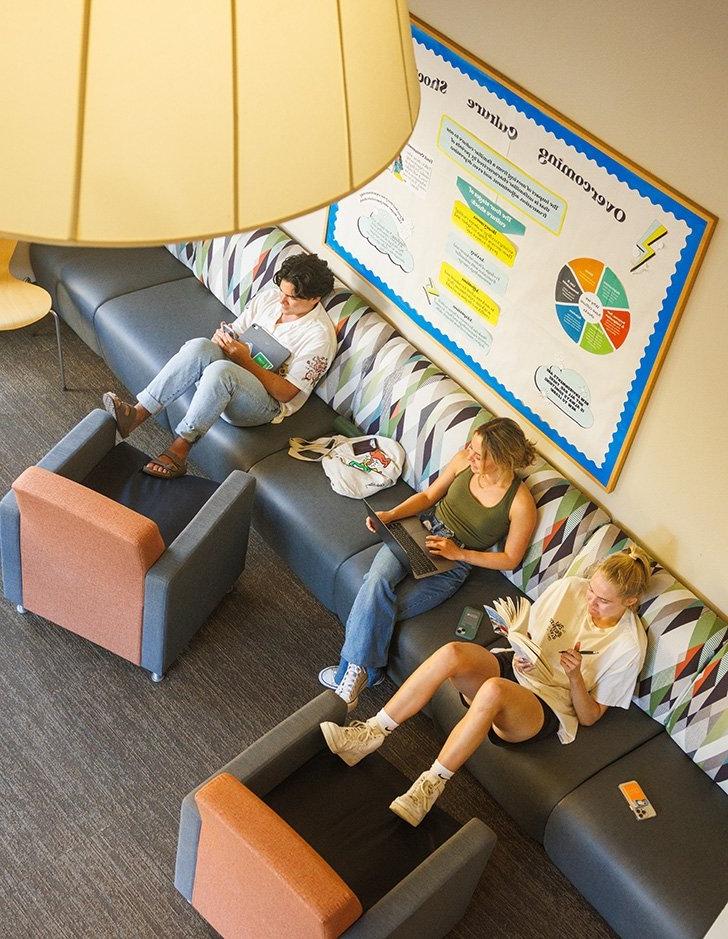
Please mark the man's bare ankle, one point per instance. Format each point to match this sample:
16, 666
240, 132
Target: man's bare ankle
181, 447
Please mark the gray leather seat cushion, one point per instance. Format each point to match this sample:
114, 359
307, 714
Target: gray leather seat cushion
662, 878
80, 280
308, 525
94, 275
84, 328
417, 638
529, 779
139, 332
225, 448
48, 261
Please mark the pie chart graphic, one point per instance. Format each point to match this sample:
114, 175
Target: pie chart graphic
592, 306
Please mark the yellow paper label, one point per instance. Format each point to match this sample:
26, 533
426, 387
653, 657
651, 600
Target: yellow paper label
469, 293
484, 234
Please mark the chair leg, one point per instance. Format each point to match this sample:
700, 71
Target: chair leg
60, 348
156, 676
20, 609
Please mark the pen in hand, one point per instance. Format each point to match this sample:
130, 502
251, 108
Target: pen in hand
585, 652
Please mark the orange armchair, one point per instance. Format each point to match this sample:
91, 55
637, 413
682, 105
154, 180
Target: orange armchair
286, 841
136, 585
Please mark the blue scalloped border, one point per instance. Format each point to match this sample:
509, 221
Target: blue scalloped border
696, 225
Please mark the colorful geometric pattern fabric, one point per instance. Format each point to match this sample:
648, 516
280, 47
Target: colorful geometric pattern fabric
361, 333
699, 721
682, 633
195, 255
605, 541
235, 267
682, 637
405, 397
566, 519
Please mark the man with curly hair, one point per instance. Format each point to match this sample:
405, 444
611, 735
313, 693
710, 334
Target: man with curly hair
230, 383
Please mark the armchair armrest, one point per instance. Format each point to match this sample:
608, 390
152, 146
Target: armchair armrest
434, 897
195, 572
261, 767
73, 457
76, 454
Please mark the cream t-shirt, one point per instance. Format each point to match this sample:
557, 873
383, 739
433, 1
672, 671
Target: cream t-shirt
558, 620
311, 340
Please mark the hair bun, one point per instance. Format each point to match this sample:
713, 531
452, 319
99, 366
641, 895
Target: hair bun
637, 554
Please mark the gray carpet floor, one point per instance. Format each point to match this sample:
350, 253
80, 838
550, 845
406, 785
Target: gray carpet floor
95, 758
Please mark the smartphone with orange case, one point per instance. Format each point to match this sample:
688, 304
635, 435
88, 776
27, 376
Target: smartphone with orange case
637, 800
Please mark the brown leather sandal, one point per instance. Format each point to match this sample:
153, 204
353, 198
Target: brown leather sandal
123, 413
177, 469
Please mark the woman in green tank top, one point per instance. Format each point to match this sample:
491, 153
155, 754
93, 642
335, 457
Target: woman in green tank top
479, 501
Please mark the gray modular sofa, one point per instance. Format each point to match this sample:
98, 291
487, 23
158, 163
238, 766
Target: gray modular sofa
663, 878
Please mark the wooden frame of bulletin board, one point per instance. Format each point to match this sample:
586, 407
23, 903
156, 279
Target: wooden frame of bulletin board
550, 265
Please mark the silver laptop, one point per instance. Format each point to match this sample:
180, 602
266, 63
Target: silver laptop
406, 539
265, 349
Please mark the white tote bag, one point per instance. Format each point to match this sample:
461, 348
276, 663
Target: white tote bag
356, 466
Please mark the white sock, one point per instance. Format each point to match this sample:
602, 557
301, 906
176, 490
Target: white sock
442, 772
385, 722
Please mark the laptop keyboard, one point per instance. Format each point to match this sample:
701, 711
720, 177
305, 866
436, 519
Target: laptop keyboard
421, 562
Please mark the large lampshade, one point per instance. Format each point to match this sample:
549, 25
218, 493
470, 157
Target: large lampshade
132, 122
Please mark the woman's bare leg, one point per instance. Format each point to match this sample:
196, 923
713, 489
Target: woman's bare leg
467, 665
513, 711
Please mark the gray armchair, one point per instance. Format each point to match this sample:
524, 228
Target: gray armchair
133, 563
286, 840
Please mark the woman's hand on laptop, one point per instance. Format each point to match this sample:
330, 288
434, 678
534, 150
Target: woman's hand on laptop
384, 517
443, 547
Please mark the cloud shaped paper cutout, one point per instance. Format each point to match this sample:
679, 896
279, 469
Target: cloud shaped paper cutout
568, 391
380, 230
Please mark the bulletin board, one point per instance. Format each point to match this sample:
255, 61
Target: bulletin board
549, 264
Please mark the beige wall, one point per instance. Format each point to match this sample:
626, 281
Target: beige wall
650, 80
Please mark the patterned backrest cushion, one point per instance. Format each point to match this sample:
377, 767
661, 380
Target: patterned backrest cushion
196, 255
404, 396
566, 519
682, 636
361, 333
698, 723
682, 633
235, 267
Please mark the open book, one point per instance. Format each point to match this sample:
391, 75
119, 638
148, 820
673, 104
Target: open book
510, 620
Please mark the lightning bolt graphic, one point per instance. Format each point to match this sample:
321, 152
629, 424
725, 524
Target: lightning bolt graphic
645, 251
430, 290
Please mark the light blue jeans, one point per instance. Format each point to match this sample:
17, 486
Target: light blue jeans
221, 386
379, 605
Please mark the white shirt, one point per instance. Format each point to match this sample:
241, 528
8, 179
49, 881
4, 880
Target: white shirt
558, 620
311, 340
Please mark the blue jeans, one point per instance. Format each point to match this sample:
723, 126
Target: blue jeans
221, 386
379, 605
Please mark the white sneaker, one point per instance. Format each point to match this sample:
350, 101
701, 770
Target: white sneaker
353, 682
419, 798
354, 742
327, 677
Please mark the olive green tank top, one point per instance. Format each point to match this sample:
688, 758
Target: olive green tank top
476, 526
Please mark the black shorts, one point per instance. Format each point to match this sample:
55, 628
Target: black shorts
550, 720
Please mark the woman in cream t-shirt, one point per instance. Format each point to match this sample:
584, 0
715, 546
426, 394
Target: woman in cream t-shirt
587, 645
567, 616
